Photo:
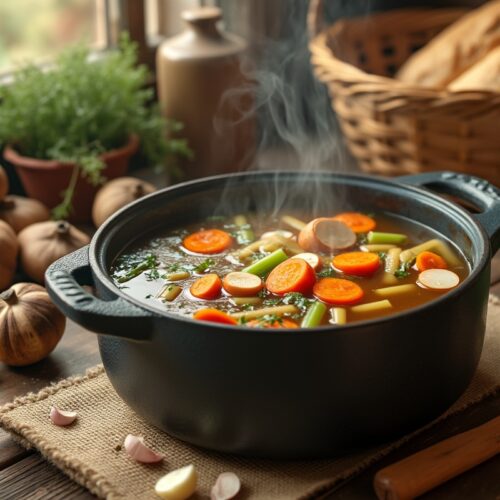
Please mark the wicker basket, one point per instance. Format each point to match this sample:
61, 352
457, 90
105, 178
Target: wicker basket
393, 128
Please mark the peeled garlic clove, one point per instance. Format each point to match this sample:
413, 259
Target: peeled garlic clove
178, 484
62, 418
135, 447
227, 486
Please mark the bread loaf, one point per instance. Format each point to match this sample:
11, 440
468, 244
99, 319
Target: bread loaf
484, 75
455, 49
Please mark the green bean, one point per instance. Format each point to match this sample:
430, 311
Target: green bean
338, 316
293, 222
395, 290
258, 313
314, 315
379, 305
170, 292
386, 238
267, 263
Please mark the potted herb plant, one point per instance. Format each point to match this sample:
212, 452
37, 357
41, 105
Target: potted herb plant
69, 128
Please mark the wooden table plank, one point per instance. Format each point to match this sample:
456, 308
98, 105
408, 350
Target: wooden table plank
34, 478
76, 352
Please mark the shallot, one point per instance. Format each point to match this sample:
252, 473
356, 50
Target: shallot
226, 487
62, 418
135, 447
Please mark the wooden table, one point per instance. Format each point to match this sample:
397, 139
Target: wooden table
26, 475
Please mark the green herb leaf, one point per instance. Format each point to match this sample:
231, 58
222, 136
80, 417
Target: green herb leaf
404, 270
204, 266
326, 272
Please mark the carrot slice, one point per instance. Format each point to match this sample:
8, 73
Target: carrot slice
430, 260
292, 275
357, 263
208, 241
240, 284
281, 323
207, 287
215, 316
359, 223
337, 291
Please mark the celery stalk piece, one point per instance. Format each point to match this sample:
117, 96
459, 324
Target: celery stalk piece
245, 233
314, 315
267, 263
375, 238
258, 313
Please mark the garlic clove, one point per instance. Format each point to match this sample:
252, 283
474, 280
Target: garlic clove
178, 484
135, 447
62, 418
227, 486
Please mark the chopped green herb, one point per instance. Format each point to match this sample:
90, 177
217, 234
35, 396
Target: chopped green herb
404, 270
327, 272
297, 299
150, 262
204, 266
382, 256
362, 238
270, 319
272, 302
154, 274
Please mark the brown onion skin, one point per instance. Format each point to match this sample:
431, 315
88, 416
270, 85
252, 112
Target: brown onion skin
4, 184
116, 194
9, 248
30, 324
20, 212
43, 243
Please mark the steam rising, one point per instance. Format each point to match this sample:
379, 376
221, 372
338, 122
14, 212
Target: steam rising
295, 120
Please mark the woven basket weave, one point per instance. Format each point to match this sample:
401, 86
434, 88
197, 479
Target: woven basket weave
393, 128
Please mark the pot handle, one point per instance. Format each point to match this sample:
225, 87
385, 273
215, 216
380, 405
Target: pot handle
64, 280
477, 191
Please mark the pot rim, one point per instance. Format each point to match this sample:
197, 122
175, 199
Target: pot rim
29, 162
105, 279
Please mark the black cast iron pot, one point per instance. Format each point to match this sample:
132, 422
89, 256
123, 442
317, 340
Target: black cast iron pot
288, 393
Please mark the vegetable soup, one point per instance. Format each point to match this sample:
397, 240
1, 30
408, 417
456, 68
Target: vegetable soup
289, 271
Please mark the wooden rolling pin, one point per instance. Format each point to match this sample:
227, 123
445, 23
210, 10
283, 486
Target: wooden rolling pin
419, 473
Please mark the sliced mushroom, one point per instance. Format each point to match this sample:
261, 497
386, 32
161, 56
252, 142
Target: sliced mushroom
326, 235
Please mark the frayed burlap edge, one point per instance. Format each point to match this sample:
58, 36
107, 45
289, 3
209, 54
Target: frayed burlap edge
100, 486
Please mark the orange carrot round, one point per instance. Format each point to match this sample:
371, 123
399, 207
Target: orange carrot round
337, 291
293, 275
208, 241
357, 263
430, 260
359, 223
215, 316
281, 323
207, 287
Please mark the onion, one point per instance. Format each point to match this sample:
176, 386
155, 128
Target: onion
326, 235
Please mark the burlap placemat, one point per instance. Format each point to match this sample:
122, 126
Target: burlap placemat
90, 451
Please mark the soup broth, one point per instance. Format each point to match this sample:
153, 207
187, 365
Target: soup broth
183, 272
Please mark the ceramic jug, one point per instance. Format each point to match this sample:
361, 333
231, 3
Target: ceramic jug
201, 83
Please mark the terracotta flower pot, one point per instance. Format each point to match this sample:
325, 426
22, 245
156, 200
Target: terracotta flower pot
45, 180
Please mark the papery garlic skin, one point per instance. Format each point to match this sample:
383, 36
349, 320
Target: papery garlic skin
135, 447
62, 418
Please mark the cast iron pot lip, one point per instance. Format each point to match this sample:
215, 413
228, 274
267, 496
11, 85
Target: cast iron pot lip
105, 278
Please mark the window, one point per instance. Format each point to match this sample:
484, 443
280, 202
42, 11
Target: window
34, 30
